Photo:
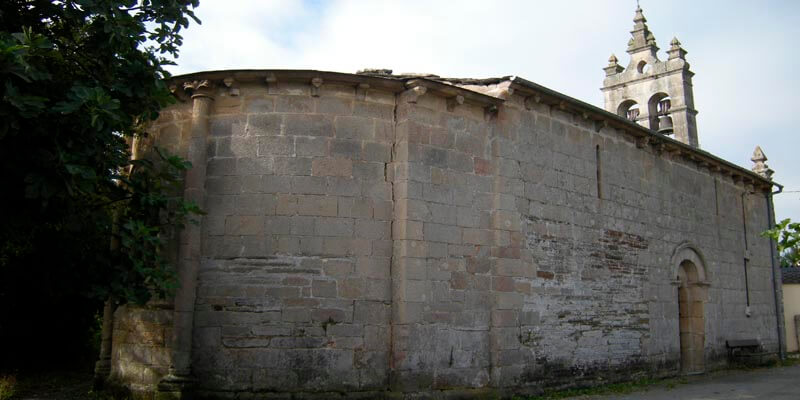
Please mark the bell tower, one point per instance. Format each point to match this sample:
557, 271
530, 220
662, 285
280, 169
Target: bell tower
655, 94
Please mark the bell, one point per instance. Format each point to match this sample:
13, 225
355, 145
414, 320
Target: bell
665, 124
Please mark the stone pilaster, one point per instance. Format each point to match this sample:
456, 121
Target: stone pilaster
176, 384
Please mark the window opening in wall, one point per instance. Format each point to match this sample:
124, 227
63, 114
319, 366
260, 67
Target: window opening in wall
597, 163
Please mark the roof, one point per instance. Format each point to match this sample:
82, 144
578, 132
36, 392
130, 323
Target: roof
473, 91
790, 274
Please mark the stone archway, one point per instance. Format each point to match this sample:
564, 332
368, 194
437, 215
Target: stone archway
692, 296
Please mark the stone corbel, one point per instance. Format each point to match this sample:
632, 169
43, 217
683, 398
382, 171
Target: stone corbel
528, 102
599, 125
271, 79
453, 102
361, 91
674, 152
412, 94
642, 142
490, 112
658, 146
229, 82
506, 93
748, 184
316, 83
179, 94
199, 88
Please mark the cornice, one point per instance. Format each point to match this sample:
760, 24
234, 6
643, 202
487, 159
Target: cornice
456, 94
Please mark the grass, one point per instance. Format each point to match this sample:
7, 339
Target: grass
644, 384
8, 386
604, 390
62, 385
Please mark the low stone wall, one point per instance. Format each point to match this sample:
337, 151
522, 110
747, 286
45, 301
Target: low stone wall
141, 347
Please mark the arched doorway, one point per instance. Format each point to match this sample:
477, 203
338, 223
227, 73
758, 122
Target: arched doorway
692, 319
692, 296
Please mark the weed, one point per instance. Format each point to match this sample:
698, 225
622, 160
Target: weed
8, 386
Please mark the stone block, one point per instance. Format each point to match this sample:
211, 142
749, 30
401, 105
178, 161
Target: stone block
259, 104
264, 124
341, 227
343, 186
300, 225
311, 146
275, 145
321, 288
335, 105
221, 167
382, 209
373, 110
308, 185
346, 330
332, 167
506, 220
373, 267
369, 171
355, 207
244, 225
308, 125
346, 149
325, 206
337, 268
276, 184
296, 315
477, 236
291, 165
379, 152
441, 233
371, 313
295, 104
370, 229
355, 128
226, 126
254, 166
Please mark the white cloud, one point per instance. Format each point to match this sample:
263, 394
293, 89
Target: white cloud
742, 53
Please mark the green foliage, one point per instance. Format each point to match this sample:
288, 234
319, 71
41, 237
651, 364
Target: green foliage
8, 387
786, 235
80, 79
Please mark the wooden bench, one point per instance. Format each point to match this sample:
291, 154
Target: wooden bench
745, 350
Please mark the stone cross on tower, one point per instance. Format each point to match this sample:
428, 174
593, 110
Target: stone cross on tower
653, 93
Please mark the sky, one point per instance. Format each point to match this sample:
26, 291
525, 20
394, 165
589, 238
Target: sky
743, 54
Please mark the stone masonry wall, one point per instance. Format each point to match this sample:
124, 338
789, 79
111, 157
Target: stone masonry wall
294, 290
364, 241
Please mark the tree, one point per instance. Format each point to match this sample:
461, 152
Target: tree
787, 236
80, 79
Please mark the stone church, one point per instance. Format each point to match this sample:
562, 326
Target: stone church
374, 235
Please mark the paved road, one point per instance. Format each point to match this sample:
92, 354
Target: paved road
771, 384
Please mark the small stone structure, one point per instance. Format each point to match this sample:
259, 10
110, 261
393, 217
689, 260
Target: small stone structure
395, 235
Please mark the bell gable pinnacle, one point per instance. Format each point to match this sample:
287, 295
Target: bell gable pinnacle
642, 39
653, 93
